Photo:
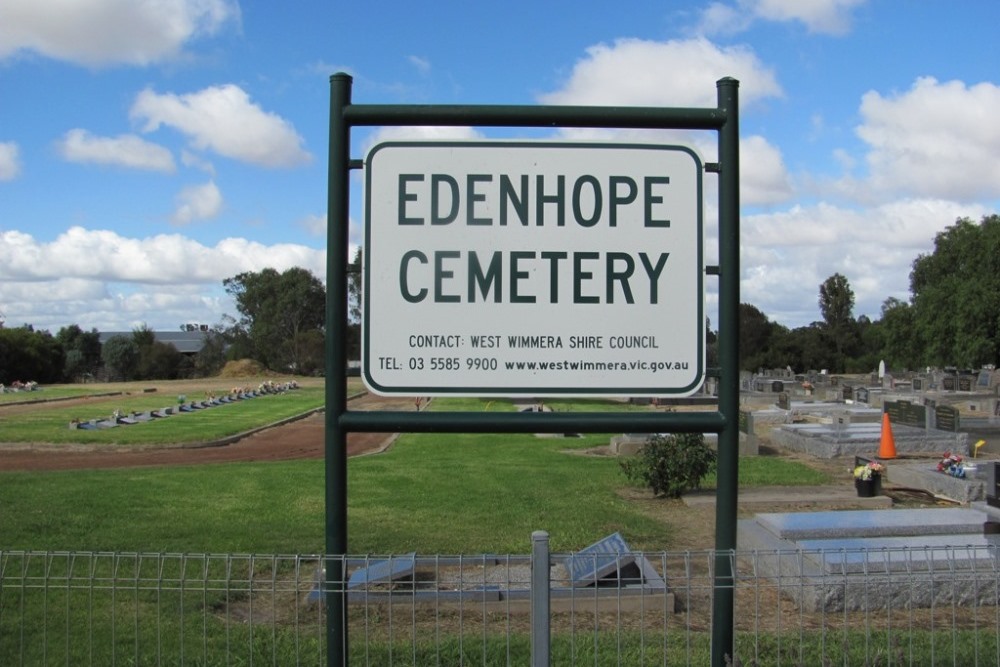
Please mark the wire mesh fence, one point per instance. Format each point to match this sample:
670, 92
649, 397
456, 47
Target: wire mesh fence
886, 607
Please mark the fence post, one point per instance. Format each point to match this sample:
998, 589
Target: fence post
540, 599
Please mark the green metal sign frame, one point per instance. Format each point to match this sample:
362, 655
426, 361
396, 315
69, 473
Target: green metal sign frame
724, 119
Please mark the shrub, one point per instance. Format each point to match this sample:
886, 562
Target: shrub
671, 464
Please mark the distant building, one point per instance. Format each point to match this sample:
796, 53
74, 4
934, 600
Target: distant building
188, 342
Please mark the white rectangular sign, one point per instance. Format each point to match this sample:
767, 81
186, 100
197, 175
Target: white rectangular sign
535, 269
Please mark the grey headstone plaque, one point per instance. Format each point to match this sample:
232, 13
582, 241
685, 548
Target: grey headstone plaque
598, 560
383, 571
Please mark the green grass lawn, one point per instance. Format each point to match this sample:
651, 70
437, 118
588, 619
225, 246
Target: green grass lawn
430, 493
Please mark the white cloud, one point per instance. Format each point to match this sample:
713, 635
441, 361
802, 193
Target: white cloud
10, 161
934, 140
763, 177
677, 73
223, 119
126, 150
197, 202
831, 17
786, 255
164, 259
106, 32
100, 278
51, 305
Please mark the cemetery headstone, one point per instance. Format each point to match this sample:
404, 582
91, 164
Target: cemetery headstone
783, 401
848, 393
598, 560
861, 395
983, 380
948, 383
777, 386
965, 383
906, 413
946, 418
993, 483
918, 384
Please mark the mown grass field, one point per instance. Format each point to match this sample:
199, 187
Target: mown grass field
430, 493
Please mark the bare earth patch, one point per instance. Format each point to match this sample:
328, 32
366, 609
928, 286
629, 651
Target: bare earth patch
302, 439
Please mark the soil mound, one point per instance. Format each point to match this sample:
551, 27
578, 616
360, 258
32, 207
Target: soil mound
242, 368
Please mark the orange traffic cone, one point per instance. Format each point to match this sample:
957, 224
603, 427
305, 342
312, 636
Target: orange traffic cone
887, 444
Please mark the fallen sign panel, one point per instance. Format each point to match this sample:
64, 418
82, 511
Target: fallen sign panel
533, 268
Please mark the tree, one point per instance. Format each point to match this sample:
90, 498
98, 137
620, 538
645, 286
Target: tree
212, 356
159, 361
836, 301
355, 287
898, 334
956, 295
755, 337
27, 355
281, 312
355, 292
836, 304
121, 357
82, 350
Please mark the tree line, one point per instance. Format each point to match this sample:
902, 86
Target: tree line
951, 318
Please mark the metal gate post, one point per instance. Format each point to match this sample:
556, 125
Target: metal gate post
540, 599
335, 455
723, 597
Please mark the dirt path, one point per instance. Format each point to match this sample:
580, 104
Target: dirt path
302, 439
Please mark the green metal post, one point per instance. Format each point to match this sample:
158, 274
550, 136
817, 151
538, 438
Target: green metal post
337, 221
729, 389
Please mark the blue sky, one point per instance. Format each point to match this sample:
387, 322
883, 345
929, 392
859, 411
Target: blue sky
150, 150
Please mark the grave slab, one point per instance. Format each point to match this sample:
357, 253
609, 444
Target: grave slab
871, 523
877, 559
926, 476
862, 439
384, 571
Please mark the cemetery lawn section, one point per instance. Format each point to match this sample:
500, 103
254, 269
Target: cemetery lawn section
55, 393
50, 422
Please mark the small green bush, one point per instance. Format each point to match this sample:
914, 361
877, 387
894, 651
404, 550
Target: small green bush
671, 464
